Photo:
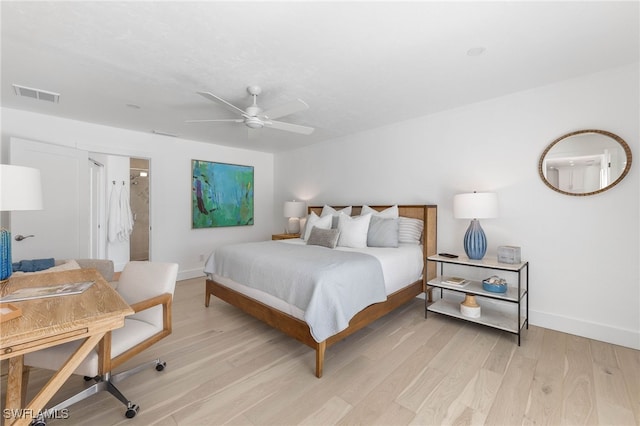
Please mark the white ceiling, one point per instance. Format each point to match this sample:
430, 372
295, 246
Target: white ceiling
358, 65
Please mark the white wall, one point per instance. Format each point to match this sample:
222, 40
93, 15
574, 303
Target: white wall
172, 238
583, 251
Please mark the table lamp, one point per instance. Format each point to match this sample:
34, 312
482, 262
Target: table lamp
294, 210
474, 206
20, 189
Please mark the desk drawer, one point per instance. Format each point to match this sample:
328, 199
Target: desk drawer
35, 345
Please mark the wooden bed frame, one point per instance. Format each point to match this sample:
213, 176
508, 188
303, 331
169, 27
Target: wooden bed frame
299, 329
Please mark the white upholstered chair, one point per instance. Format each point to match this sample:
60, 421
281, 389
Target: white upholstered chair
148, 288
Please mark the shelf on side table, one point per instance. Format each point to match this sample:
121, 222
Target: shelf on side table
493, 318
487, 262
475, 287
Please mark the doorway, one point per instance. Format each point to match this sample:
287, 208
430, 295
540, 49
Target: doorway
139, 201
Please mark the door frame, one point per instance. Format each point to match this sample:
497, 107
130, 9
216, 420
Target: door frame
97, 208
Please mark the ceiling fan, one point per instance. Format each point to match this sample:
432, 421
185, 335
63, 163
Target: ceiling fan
255, 117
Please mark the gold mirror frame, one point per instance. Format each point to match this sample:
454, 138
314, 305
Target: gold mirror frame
615, 137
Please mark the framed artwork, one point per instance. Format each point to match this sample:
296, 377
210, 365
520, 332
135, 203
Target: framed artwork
221, 194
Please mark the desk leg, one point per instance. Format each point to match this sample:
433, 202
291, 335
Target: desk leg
15, 383
58, 379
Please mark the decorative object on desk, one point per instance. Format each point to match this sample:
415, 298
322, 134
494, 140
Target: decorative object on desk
221, 194
469, 307
474, 206
495, 284
20, 189
294, 210
509, 254
9, 312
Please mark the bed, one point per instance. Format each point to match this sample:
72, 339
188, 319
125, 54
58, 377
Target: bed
290, 319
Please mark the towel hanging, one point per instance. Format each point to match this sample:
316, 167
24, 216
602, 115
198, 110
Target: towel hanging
120, 218
126, 216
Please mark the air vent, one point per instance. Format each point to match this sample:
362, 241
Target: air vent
42, 95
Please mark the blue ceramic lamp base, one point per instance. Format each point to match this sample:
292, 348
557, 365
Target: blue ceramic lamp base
5, 254
475, 242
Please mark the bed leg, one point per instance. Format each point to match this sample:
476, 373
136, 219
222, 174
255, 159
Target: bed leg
320, 357
207, 295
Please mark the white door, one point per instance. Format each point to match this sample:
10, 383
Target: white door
61, 229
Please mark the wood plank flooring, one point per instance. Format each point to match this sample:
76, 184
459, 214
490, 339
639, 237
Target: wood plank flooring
224, 367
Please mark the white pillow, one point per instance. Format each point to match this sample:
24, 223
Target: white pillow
410, 230
314, 220
330, 211
353, 230
390, 213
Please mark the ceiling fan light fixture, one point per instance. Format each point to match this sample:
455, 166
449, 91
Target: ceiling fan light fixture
254, 123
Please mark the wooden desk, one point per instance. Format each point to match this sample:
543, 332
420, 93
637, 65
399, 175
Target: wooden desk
52, 321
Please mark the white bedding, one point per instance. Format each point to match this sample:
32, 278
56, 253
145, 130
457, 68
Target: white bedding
400, 266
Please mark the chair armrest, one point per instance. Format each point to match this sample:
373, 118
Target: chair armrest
162, 299
166, 301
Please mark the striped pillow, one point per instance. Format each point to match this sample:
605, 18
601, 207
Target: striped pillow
410, 230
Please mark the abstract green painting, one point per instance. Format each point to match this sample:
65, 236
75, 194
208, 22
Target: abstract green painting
221, 194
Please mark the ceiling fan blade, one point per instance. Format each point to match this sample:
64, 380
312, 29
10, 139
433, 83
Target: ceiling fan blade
221, 101
296, 128
286, 109
228, 120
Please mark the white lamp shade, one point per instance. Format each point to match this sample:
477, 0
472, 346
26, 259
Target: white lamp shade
476, 205
20, 188
294, 209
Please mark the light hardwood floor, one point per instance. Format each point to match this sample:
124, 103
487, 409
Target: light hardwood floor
224, 367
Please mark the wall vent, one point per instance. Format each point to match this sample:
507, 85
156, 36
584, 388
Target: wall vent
42, 95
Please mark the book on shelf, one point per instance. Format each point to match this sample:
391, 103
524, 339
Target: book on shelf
28, 293
455, 281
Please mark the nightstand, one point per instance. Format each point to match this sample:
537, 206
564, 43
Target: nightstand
284, 236
508, 311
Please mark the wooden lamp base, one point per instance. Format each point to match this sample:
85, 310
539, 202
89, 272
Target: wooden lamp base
469, 307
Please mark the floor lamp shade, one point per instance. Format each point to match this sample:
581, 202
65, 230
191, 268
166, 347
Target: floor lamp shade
474, 206
20, 189
294, 210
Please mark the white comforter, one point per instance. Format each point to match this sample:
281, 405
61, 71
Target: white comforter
330, 286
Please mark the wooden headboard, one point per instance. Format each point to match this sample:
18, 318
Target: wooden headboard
426, 213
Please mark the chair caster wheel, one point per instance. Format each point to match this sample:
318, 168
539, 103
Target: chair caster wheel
160, 366
132, 410
88, 379
38, 422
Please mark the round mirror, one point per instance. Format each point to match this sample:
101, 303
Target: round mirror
585, 162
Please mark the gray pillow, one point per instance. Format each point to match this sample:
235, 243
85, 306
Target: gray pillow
383, 232
323, 237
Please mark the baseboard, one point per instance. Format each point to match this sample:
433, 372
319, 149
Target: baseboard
182, 275
591, 330
190, 273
